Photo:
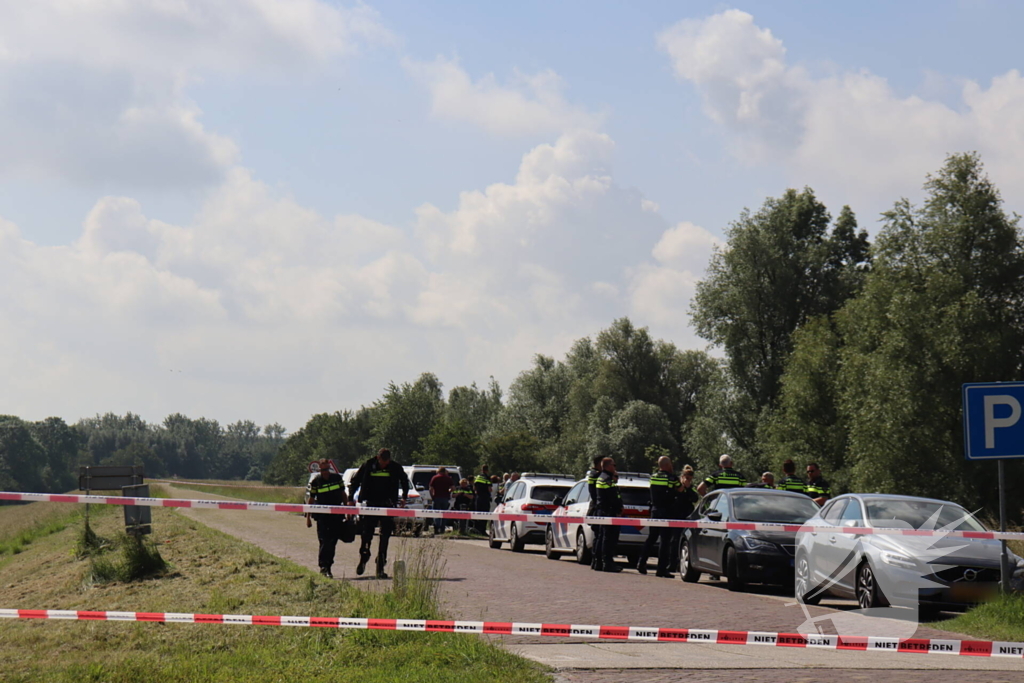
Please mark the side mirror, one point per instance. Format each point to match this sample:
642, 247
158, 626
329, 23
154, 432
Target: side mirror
421, 487
557, 501
714, 515
850, 523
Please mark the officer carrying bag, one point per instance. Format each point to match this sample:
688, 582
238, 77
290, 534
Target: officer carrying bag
347, 529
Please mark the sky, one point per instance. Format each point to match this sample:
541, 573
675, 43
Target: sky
266, 209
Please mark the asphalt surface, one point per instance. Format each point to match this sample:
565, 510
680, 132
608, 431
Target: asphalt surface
498, 585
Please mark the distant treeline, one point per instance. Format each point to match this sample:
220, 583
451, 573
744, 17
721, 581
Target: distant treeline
834, 349
45, 456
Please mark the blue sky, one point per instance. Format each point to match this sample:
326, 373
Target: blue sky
266, 209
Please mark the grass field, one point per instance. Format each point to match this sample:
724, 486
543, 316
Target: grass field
254, 491
213, 573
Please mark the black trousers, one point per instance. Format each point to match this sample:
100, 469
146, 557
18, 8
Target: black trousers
597, 552
481, 505
665, 538
387, 528
609, 544
328, 530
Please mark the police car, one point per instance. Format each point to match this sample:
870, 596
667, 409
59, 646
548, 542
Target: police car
578, 539
533, 494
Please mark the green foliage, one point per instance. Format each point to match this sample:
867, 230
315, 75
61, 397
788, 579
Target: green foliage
1001, 619
874, 391
452, 443
339, 436
403, 418
782, 266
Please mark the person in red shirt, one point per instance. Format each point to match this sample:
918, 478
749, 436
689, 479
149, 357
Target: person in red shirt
440, 496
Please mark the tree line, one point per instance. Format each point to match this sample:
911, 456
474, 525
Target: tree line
45, 456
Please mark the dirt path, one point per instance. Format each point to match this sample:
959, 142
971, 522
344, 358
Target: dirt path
499, 585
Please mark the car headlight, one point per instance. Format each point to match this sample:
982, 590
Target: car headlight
898, 560
758, 543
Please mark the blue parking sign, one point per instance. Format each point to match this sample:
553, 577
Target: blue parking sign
994, 420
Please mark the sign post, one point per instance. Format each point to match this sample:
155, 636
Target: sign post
994, 430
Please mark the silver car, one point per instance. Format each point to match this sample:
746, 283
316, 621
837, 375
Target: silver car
930, 572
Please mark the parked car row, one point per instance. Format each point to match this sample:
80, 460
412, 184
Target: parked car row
876, 570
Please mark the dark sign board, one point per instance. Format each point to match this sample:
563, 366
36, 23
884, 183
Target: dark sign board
108, 478
137, 518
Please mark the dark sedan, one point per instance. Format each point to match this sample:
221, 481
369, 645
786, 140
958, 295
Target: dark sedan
745, 556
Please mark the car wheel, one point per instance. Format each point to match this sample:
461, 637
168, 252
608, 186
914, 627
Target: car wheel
549, 545
582, 551
869, 594
515, 543
803, 589
492, 541
732, 570
687, 572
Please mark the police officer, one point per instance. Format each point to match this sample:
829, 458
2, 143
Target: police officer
482, 497
663, 494
378, 481
725, 478
595, 529
609, 504
767, 482
684, 504
791, 482
817, 488
326, 488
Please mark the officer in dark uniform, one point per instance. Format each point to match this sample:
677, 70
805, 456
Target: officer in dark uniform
378, 481
817, 488
482, 497
791, 482
684, 503
725, 478
326, 488
609, 504
595, 529
663, 493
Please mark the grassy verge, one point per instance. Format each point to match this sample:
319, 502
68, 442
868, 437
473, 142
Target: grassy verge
1001, 619
239, 489
213, 573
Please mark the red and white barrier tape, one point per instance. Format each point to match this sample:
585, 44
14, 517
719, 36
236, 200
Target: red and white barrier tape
973, 648
506, 517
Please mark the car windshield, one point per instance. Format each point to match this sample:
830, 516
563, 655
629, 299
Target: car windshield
422, 479
635, 496
752, 507
547, 494
918, 514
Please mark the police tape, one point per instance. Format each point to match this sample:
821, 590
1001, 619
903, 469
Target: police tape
972, 648
496, 516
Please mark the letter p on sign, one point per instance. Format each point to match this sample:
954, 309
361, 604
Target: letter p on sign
993, 420
992, 423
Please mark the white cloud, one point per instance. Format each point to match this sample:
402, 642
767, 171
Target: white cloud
259, 292
849, 133
93, 92
528, 104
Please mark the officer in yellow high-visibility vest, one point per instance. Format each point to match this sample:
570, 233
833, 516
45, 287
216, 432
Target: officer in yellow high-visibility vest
725, 478
326, 488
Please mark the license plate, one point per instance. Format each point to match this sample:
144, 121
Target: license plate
972, 592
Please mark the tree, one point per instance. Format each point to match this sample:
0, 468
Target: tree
452, 443
781, 267
404, 417
943, 305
